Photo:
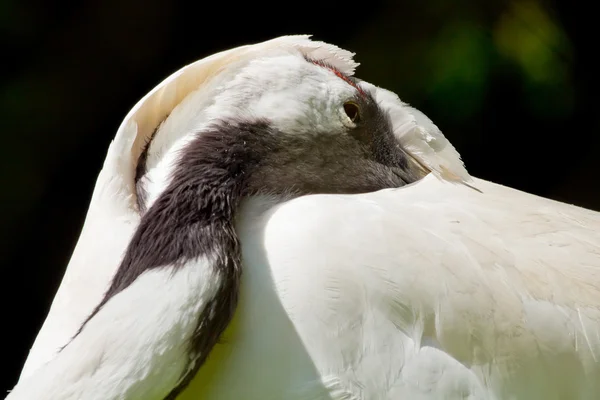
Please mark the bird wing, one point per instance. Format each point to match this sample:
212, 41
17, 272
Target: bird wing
432, 290
113, 213
436, 290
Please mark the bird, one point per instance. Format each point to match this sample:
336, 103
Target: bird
268, 226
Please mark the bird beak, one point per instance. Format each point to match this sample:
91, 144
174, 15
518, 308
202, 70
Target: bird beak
420, 169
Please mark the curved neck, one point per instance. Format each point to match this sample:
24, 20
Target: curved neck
194, 218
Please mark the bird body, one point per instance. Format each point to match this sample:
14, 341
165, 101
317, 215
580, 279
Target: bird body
368, 270
387, 317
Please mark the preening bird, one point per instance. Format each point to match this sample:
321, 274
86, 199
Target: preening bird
267, 226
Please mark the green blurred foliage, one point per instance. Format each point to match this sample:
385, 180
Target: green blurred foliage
454, 52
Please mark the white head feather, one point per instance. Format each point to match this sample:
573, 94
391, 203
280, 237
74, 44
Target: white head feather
194, 88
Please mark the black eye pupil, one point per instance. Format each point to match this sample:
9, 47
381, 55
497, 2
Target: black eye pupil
351, 110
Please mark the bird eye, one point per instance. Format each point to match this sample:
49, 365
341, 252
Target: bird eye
352, 111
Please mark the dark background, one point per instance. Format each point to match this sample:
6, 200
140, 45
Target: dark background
510, 83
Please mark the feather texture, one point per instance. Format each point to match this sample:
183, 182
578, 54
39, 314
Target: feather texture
418, 293
433, 290
113, 213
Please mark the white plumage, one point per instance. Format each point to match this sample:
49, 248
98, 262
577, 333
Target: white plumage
432, 290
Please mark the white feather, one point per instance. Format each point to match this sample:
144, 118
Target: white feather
140, 336
422, 138
113, 215
429, 291
418, 293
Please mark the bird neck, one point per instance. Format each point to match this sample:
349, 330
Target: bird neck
194, 215
193, 218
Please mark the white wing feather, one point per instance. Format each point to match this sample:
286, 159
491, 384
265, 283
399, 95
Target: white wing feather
431, 291
422, 138
452, 293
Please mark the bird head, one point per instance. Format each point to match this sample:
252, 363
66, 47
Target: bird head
307, 123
